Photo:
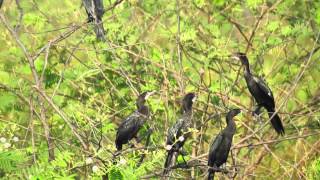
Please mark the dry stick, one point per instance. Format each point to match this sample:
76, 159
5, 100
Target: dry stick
275, 140
181, 84
113, 6
268, 149
147, 144
37, 84
37, 80
238, 26
30, 104
65, 66
59, 38
45, 62
259, 144
190, 164
43, 110
303, 158
101, 68
244, 146
259, 21
128, 79
160, 66
63, 116
32, 132
234, 163
56, 139
20, 15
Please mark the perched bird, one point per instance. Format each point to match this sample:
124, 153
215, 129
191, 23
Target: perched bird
95, 11
179, 132
130, 127
220, 147
261, 93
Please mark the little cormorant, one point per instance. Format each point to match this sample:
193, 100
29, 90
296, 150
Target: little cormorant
95, 11
130, 127
220, 147
179, 132
261, 93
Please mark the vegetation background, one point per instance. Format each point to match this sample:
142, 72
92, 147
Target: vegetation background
63, 93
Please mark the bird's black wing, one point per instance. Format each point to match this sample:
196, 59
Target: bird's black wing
95, 11
214, 148
130, 127
98, 5
263, 86
175, 132
88, 5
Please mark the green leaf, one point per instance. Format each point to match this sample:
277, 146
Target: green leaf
273, 25
286, 30
6, 101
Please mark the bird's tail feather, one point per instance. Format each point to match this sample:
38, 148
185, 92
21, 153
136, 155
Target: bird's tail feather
118, 145
211, 174
99, 30
275, 121
170, 160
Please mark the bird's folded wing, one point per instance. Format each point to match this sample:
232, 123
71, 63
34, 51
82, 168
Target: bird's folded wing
263, 86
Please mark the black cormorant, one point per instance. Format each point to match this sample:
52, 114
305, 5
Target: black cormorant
179, 132
129, 128
95, 11
261, 93
220, 147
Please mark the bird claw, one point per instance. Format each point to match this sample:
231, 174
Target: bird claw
183, 152
224, 171
258, 119
132, 146
181, 138
168, 147
253, 113
256, 113
183, 165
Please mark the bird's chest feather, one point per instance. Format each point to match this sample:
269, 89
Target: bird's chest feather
252, 83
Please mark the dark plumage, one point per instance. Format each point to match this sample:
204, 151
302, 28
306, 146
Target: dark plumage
179, 132
130, 127
95, 11
261, 93
220, 147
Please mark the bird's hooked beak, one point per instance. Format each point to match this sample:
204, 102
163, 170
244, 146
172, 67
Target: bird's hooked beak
235, 56
194, 99
149, 94
236, 113
240, 112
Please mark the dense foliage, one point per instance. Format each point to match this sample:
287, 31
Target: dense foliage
63, 93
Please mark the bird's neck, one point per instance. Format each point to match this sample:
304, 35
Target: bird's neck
187, 118
245, 62
142, 108
187, 107
188, 112
247, 68
231, 125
